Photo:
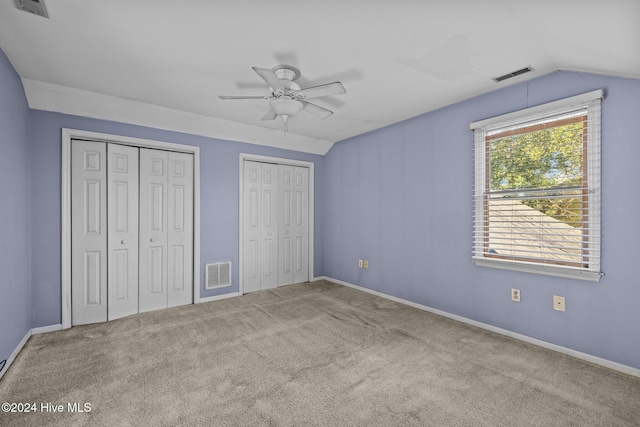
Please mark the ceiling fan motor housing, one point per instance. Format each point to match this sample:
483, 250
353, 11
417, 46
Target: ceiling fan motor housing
286, 72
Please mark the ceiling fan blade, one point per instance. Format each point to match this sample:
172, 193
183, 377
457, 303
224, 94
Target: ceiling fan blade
334, 88
271, 114
316, 110
268, 76
243, 97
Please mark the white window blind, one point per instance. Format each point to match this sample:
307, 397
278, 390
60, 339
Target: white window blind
537, 189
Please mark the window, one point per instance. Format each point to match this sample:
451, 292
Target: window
537, 189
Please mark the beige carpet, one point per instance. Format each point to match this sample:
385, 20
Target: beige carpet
312, 354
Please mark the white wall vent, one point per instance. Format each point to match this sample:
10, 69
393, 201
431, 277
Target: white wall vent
36, 7
217, 275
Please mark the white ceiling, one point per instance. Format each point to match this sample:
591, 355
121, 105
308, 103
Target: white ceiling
163, 63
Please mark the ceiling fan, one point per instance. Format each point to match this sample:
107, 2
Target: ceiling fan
287, 98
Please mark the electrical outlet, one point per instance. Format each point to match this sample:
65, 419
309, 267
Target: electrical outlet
359, 263
559, 303
515, 295
366, 264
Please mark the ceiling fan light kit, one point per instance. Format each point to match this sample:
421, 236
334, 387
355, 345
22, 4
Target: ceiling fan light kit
286, 107
287, 98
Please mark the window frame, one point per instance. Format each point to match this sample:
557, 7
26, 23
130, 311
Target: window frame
589, 268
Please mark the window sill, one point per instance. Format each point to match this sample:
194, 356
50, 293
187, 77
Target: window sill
549, 270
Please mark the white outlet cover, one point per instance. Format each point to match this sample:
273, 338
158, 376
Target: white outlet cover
559, 303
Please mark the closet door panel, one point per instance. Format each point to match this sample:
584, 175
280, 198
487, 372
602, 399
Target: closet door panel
300, 225
252, 223
260, 240
122, 180
180, 229
88, 232
293, 242
153, 230
286, 214
269, 226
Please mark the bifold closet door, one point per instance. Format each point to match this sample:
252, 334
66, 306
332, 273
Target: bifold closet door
180, 230
275, 225
260, 246
104, 223
88, 232
293, 242
131, 230
122, 225
166, 229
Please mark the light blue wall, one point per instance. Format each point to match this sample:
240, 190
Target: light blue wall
219, 163
15, 240
401, 197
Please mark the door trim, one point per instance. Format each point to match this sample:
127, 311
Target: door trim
67, 136
281, 161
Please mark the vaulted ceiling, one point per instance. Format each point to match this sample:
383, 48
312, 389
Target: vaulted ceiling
163, 63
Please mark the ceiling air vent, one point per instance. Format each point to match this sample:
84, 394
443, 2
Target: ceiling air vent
513, 74
36, 7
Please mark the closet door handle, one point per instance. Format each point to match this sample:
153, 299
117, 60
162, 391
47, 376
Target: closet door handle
153, 240
124, 242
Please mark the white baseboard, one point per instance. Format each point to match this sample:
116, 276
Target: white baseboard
577, 354
46, 329
15, 353
18, 349
219, 297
